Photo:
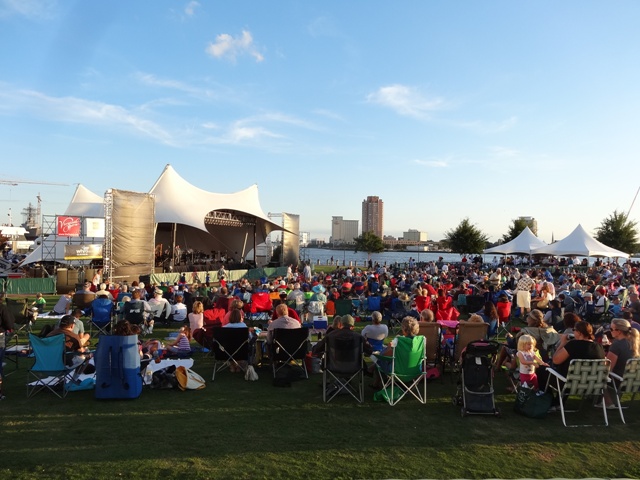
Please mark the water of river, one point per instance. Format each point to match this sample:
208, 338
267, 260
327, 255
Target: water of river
324, 256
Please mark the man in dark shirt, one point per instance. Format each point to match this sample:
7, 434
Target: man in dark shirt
346, 331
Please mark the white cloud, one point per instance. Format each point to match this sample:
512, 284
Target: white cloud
190, 8
230, 47
79, 110
406, 100
239, 133
432, 163
36, 9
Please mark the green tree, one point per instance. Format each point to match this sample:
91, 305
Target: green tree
369, 242
617, 231
516, 228
466, 238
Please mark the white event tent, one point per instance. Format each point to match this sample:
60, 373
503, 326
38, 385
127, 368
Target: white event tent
523, 244
202, 220
579, 243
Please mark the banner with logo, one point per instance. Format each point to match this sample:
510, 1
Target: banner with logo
68, 226
83, 252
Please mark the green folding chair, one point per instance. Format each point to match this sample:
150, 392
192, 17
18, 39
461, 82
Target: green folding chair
405, 370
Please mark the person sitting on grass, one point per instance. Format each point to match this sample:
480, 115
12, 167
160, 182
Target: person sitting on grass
181, 345
39, 302
63, 306
178, 310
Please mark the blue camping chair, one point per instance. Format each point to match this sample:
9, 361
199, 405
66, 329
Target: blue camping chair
377, 345
49, 370
101, 317
374, 304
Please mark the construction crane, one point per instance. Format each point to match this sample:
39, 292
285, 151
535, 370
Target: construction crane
15, 183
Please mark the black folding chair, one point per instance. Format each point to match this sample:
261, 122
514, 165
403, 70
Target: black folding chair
342, 366
289, 347
230, 346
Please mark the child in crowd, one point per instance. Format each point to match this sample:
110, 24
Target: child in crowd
528, 359
39, 302
181, 345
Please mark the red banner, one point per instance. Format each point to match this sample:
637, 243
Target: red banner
68, 226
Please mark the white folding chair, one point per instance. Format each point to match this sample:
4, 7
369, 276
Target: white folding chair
585, 378
629, 382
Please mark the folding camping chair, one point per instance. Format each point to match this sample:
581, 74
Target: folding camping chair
260, 308
431, 333
584, 378
49, 370
289, 347
83, 300
342, 365
467, 332
101, 320
629, 382
405, 369
344, 306
374, 304
504, 317
230, 346
24, 318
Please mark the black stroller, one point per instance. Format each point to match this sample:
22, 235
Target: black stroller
475, 386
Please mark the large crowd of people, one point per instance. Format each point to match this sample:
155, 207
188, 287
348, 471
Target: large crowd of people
558, 305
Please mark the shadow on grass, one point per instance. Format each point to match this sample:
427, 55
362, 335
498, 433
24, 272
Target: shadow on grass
238, 429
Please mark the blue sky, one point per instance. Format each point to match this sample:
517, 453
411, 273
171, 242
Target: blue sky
481, 109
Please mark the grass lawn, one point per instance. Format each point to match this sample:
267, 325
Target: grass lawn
237, 429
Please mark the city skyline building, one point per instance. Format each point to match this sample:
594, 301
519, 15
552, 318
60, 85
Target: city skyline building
343, 231
414, 235
373, 215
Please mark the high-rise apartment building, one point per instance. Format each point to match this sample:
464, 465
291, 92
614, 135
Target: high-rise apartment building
373, 215
343, 231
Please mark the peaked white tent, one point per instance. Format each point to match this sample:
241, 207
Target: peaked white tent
85, 203
233, 223
523, 244
208, 221
581, 244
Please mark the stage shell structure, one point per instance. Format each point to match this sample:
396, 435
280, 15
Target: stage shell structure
230, 224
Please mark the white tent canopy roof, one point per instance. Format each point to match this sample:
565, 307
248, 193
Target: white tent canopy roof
581, 244
189, 216
85, 203
171, 186
523, 244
